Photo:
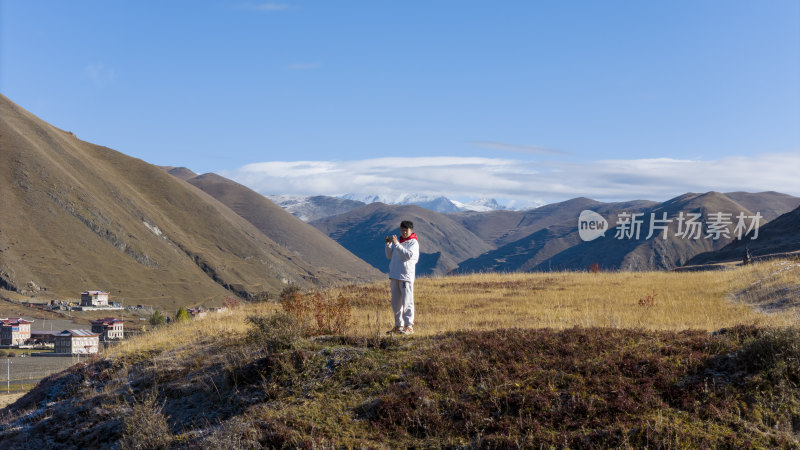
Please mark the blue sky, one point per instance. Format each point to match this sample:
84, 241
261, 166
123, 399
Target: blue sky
533, 101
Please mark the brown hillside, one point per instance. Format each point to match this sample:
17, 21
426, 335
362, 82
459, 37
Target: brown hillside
285, 229
781, 235
181, 172
443, 242
547, 238
541, 234
505, 227
769, 204
78, 216
654, 253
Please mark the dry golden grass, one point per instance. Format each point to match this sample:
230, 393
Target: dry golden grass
7, 399
354, 393
646, 300
230, 324
776, 289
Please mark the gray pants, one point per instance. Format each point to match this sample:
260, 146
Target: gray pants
403, 302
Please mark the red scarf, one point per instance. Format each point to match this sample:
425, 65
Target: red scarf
413, 236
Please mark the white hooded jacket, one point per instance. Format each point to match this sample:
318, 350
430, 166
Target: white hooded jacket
404, 257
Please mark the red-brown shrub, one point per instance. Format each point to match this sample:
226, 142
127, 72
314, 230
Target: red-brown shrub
318, 313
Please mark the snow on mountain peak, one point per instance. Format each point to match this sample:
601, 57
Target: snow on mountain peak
480, 205
436, 203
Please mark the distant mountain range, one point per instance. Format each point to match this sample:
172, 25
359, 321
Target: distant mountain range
443, 204
362, 231
780, 236
540, 239
656, 252
547, 238
434, 203
318, 207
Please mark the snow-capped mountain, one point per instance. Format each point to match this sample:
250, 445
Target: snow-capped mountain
480, 205
316, 207
367, 198
439, 204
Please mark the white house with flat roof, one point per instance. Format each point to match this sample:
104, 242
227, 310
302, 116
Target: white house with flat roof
94, 298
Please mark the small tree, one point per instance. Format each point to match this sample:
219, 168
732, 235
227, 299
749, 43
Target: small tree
182, 315
157, 319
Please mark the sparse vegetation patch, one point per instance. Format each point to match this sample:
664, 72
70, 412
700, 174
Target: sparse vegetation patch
581, 387
272, 375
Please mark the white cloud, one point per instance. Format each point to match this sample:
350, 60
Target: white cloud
525, 181
99, 73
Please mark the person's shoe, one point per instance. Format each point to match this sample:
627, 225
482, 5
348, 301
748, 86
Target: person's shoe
407, 330
395, 330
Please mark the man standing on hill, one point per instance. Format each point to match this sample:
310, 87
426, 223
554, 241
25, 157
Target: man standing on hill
404, 254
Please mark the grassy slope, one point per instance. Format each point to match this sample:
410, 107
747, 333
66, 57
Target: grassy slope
696, 300
286, 230
223, 382
78, 216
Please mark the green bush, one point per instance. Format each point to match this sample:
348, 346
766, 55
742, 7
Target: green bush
157, 319
182, 314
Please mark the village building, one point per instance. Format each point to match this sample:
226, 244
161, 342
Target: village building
197, 313
15, 331
77, 342
109, 329
94, 298
42, 337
